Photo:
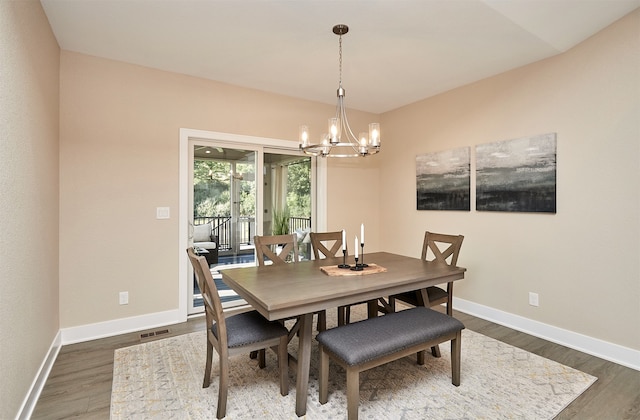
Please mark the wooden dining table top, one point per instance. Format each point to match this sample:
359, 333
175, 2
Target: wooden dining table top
282, 291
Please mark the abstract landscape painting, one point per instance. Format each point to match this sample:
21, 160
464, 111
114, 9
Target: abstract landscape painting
443, 180
517, 175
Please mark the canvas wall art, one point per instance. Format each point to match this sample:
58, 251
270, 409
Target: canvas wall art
443, 180
517, 175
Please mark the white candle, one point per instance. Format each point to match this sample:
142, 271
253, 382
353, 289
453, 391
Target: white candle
344, 240
362, 233
356, 247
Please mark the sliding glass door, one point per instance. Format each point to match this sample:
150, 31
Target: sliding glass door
239, 191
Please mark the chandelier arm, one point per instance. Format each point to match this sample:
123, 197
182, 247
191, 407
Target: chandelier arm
352, 139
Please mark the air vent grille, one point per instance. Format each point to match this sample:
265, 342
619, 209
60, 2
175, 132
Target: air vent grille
152, 334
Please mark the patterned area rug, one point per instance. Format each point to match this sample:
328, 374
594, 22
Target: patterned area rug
163, 380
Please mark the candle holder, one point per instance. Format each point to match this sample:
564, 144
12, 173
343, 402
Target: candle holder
357, 267
362, 264
344, 260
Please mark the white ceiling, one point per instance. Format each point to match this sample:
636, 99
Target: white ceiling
396, 52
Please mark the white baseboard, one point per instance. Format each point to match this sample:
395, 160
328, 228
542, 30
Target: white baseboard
30, 400
120, 326
612, 352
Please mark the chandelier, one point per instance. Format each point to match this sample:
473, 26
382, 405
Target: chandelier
340, 141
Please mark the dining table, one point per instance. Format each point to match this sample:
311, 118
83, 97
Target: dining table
303, 288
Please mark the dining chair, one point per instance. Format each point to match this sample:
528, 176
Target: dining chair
326, 244
283, 249
231, 333
329, 244
440, 248
443, 249
276, 249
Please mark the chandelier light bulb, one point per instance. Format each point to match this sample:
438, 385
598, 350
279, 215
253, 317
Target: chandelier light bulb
334, 124
374, 135
304, 136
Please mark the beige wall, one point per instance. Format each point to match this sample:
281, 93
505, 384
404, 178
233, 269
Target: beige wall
29, 69
584, 260
119, 161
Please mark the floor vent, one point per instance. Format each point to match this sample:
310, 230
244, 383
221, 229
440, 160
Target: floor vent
152, 334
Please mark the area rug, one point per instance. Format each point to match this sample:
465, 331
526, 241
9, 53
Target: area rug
163, 380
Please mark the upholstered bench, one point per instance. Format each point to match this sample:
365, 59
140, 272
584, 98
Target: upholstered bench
376, 341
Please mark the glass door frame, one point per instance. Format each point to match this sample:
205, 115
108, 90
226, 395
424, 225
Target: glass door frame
189, 137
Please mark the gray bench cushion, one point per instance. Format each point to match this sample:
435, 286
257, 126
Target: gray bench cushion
373, 338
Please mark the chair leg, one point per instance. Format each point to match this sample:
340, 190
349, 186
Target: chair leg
323, 391
262, 361
342, 315
283, 364
353, 393
224, 384
207, 367
435, 351
450, 299
322, 321
456, 346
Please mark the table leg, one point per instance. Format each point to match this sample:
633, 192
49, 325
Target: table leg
304, 360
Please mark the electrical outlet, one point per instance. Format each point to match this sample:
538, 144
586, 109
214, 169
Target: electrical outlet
124, 298
533, 299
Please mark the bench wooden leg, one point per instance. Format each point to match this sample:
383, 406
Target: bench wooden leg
323, 390
455, 359
353, 393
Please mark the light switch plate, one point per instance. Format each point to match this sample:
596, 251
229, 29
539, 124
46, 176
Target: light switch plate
124, 298
162, 212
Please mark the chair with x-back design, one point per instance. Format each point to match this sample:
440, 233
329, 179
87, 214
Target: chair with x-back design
440, 248
326, 244
283, 249
276, 249
443, 249
231, 333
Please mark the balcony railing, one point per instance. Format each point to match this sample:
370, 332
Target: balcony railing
246, 228
296, 223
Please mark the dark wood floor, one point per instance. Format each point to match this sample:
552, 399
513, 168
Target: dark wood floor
79, 385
